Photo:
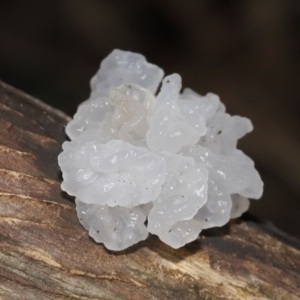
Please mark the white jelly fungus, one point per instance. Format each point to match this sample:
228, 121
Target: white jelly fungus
162, 163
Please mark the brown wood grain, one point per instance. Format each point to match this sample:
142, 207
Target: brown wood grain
46, 254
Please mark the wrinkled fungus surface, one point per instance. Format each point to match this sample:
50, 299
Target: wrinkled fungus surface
164, 162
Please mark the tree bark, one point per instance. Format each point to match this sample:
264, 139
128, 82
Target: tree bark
46, 254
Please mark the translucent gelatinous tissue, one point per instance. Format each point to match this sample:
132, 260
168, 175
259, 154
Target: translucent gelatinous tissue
164, 162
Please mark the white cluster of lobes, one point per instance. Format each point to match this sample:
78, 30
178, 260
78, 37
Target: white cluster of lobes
164, 163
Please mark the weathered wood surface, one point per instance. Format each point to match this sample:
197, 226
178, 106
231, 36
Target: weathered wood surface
46, 254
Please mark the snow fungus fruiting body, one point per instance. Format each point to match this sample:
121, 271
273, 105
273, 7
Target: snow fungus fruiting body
163, 162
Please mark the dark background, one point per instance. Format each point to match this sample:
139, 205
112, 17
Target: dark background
247, 51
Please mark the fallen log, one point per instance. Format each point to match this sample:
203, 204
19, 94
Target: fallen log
46, 254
